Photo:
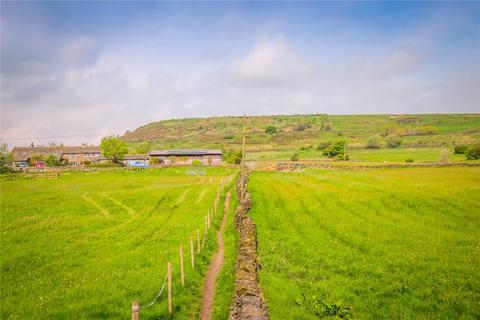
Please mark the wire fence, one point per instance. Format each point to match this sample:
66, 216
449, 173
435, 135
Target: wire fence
167, 282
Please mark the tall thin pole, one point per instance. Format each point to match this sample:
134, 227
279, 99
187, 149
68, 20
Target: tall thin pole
242, 191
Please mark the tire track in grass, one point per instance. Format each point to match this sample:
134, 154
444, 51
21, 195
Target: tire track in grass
201, 196
215, 267
120, 204
103, 211
182, 197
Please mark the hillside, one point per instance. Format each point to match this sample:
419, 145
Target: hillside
282, 133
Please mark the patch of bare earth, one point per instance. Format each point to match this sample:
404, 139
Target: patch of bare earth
214, 269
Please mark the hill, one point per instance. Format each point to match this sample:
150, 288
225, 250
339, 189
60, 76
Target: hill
290, 133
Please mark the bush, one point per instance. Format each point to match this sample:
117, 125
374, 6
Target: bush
106, 165
373, 143
196, 162
394, 142
294, 157
271, 129
335, 149
324, 145
302, 126
473, 151
228, 136
461, 149
409, 160
232, 156
52, 161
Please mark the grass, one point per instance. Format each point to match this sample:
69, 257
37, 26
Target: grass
387, 243
85, 245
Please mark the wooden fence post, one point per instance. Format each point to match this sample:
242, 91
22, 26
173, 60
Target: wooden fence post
135, 309
170, 306
198, 241
192, 255
181, 267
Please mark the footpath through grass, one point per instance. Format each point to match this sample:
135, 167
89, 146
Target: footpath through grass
386, 243
85, 245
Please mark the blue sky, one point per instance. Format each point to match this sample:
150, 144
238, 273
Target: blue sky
88, 69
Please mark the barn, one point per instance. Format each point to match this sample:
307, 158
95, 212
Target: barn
187, 157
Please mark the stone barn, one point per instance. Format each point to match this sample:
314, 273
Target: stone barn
187, 157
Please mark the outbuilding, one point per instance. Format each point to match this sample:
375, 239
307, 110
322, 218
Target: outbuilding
187, 157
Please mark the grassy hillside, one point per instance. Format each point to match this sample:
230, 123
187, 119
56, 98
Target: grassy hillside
388, 244
291, 133
85, 245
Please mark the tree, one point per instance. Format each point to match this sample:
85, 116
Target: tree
394, 142
461, 149
473, 151
5, 159
338, 148
373, 143
113, 148
52, 161
271, 129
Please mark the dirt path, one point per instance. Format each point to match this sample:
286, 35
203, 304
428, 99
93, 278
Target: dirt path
214, 268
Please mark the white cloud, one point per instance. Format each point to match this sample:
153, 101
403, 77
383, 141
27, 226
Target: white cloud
99, 94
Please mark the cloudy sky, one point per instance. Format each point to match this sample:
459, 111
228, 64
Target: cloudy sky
73, 72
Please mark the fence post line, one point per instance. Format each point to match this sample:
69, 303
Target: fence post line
170, 306
181, 267
135, 309
198, 241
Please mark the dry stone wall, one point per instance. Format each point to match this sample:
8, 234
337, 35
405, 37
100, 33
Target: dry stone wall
248, 301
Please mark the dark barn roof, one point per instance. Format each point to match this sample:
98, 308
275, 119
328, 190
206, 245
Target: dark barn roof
23, 153
136, 157
191, 152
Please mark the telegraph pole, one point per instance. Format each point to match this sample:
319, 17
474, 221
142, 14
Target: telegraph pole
242, 191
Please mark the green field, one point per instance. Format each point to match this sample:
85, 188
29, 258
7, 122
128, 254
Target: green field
386, 243
85, 245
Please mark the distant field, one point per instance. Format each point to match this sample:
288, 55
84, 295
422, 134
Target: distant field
85, 245
397, 155
387, 243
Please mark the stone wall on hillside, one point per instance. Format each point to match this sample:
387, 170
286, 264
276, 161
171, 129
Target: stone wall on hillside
248, 301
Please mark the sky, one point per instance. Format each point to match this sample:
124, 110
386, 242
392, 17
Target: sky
72, 72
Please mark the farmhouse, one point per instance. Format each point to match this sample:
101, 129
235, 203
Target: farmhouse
70, 155
187, 157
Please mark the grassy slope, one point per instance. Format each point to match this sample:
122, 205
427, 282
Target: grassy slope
394, 243
226, 131
86, 245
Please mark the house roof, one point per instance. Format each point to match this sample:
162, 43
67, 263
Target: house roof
136, 157
23, 153
188, 152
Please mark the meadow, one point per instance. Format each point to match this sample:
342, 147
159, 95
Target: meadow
369, 244
85, 245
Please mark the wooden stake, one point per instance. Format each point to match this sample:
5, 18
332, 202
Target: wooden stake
204, 236
208, 219
198, 241
135, 309
170, 307
181, 267
192, 255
